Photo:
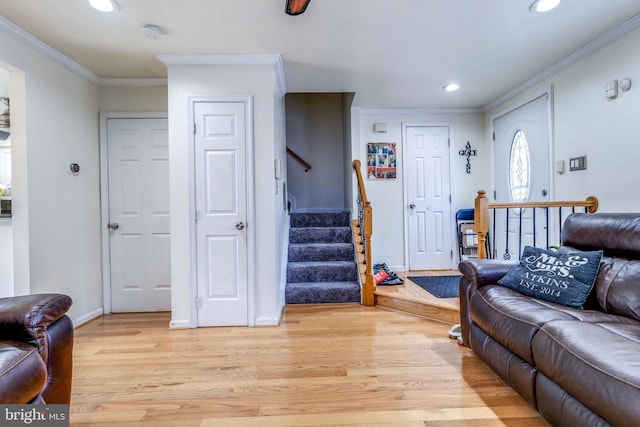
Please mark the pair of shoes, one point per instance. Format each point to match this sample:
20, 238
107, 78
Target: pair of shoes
384, 276
455, 333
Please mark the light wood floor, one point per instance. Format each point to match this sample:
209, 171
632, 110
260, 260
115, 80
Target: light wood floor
327, 365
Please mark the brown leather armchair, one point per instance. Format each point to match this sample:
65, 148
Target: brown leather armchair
36, 349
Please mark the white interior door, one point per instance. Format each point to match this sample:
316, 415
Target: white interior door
139, 237
221, 213
522, 165
428, 197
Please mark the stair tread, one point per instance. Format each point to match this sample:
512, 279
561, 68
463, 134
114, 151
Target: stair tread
321, 244
319, 263
324, 284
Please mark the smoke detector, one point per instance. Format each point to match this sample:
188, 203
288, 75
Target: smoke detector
152, 32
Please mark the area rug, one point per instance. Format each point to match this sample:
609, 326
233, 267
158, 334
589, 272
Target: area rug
438, 286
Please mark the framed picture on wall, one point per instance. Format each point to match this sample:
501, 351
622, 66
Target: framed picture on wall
381, 160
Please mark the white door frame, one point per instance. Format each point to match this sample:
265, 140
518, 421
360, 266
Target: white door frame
405, 198
251, 218
104, 195
548, 91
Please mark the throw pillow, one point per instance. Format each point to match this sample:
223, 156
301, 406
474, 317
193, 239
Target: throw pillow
565, 279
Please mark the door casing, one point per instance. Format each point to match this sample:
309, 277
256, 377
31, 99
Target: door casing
251, 218
104, 195
405, 196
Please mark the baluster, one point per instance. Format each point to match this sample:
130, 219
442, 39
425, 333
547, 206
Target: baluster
546, 215
520, 233
507, 255
535, 233
495, 233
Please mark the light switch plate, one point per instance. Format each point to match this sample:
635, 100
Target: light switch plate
578, 163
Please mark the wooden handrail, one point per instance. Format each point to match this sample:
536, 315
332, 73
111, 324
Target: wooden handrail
482, 206
303, 162
366, 230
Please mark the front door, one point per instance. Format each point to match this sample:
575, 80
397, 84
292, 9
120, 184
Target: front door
522, 174
221, 213
428, 198
139, 238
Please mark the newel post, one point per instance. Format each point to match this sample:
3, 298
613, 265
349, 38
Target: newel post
481, 222
369, 285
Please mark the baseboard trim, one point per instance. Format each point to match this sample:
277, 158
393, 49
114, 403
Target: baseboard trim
81, 320
180, 324
268, 321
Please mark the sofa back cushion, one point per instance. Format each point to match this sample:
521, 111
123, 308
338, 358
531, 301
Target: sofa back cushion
617, 287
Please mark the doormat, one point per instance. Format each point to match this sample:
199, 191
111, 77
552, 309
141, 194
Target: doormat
438, 286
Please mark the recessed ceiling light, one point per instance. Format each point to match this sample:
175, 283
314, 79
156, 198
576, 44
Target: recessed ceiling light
103, 5
543, 5
451, 87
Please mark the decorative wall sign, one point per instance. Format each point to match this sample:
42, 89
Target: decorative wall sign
381, 160
468, 152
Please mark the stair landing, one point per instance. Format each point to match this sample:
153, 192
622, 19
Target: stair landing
411, 298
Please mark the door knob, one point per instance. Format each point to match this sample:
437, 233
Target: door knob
544, 192
412, 206
239, 225
113, 226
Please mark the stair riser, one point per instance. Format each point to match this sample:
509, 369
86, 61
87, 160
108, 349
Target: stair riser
342, 273
338, 219
330, 252
320, 235
311, 295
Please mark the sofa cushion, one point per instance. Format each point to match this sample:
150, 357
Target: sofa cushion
22, 372
618, 287
513, 319
596, 363
563, 278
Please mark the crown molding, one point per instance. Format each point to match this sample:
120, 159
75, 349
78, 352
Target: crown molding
417, 111
274, 61
617, 33
133, 81
38, 45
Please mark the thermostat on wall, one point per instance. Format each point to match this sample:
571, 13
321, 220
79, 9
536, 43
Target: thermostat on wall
73, 168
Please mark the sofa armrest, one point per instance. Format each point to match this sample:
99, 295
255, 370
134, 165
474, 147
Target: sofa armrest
483, 272
477, 273
26, 318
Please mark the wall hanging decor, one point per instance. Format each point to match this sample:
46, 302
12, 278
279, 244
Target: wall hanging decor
468, 152
381, 160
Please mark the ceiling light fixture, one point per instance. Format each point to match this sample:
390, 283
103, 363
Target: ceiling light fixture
451, 87
103, 5
296, 7
543, 5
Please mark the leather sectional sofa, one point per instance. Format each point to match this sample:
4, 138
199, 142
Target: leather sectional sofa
578, 367
36, 345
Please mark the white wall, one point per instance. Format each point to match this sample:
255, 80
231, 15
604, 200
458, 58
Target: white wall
205, 80
56, 219
386, 196
314, 132
585, 123
133, 99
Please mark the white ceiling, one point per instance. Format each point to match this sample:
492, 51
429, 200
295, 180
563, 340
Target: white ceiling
391, 53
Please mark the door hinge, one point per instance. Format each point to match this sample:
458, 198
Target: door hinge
452, 254
495, 195
198, 303
494, 136
449, 142
449, 198
195, 215
194, 128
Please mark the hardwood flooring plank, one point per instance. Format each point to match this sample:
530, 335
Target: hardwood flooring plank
328, 365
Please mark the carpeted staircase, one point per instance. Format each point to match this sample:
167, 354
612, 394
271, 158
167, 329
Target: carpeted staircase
321, 266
